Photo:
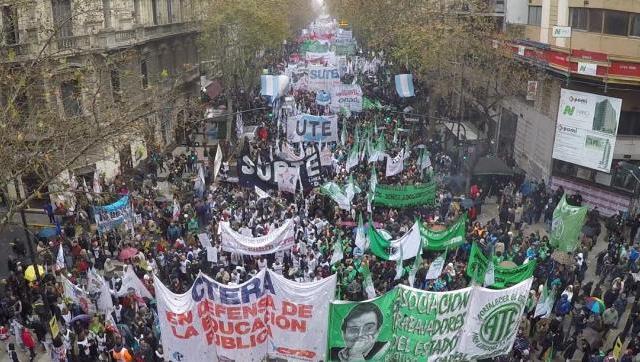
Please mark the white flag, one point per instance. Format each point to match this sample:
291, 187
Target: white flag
395, 165
239, 125
361, 237
287, 179
60, 259
97, 188
217, 162
98, 286
435, 269
261, 193
490, 275
338, 254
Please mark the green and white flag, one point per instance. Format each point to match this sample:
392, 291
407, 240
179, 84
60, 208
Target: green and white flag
373, 181
502, 276
369, 288
354, 157
566, 226
490, 276
399, 267
343, 134
450, 238
361, 236
416, 265
335, 192
407, 246
350, 189
338, 254
395, 135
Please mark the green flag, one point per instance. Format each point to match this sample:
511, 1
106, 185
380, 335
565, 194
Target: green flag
373, 181
335, 192
566, 226
450, 238
503, 276
343, 134
369, 288
354, 156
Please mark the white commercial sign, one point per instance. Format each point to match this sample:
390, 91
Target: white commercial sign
562, 32
586, 129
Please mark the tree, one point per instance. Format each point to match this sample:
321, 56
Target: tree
61, 106
453, 46
241, 37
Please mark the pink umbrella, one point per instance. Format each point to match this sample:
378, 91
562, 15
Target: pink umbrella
127, 253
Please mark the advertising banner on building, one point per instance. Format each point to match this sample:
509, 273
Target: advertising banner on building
266, 318
323, 78
277, 240
308, 128
586, 129
346, 96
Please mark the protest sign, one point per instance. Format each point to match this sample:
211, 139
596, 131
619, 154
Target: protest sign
435, 269
325, 58
405, 196
308, 128
266, 318
395, 165
110, 216
566, 225
406, 247
279, 239
503, 276
492, 322
264, 173
323, 78
346, 96
450, 238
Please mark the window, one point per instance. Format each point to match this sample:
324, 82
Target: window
535, 15
115, 85
144, 73
616, 22
629, 123
71, 101
9, 25
62, 17
634, 27
578, 18
595, 20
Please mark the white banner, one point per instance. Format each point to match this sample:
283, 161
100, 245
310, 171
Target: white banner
308, 128
265, 318
288, 179
323, 78
279, 239
492, 322
586, 129
395, 165
347, 96
132, 284
327, 58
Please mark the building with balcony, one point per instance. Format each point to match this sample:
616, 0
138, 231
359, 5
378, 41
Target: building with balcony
129, 52
588, 46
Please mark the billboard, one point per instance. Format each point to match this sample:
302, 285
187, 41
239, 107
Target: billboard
586, 129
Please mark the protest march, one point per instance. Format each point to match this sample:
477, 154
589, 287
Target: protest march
335, 233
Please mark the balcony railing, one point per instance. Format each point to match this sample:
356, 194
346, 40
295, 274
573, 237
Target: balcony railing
106, 39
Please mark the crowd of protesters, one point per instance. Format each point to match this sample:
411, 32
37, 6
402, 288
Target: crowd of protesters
166, 243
